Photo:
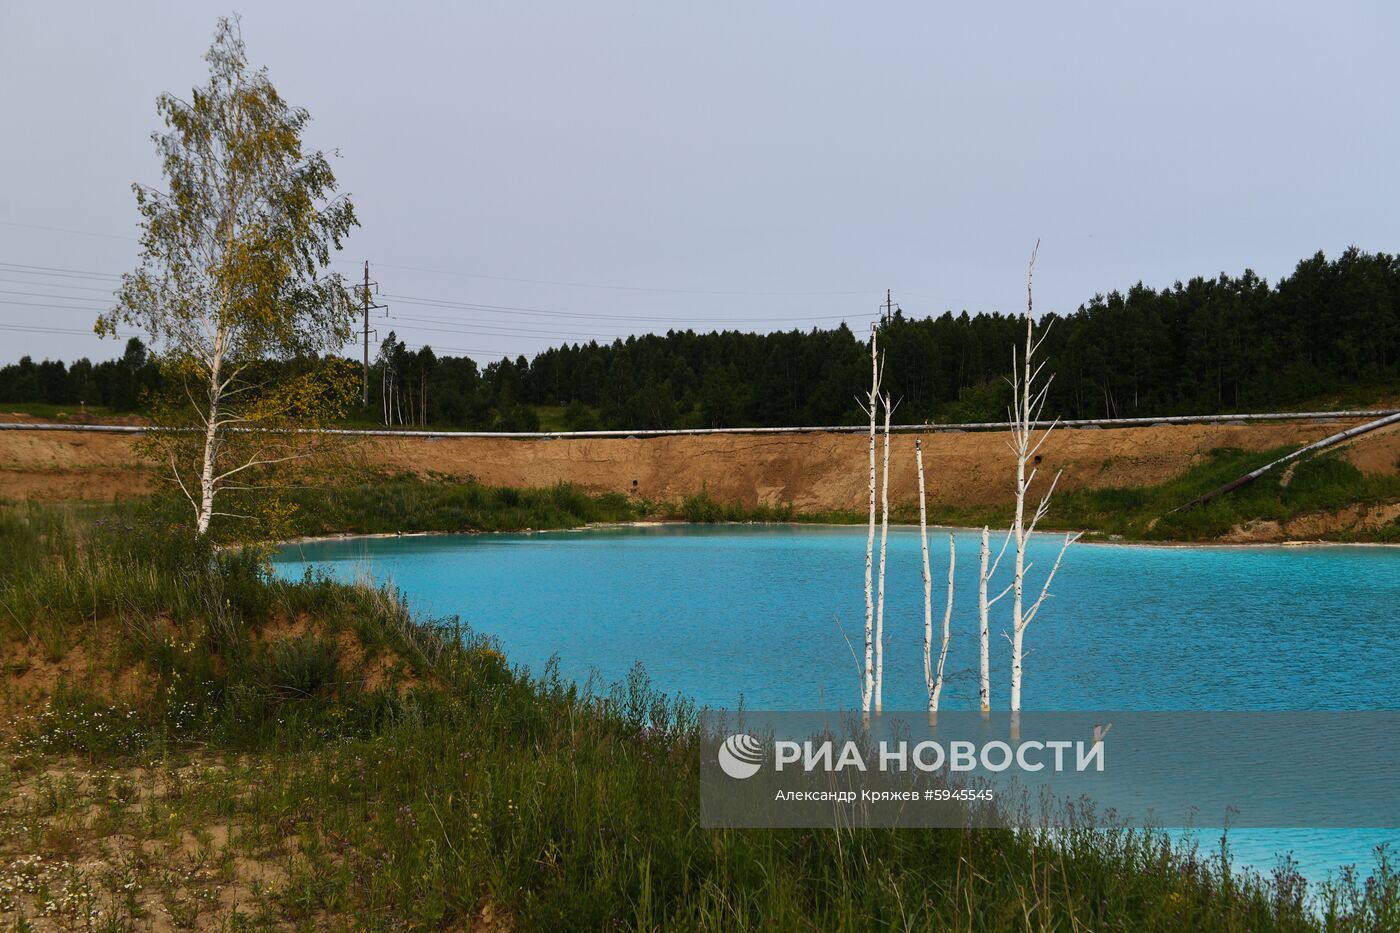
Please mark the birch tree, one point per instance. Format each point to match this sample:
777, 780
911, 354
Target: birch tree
985, 574
929, 680
867, 687
884, 538
1028, 403
933, 678
232, 285
947, 627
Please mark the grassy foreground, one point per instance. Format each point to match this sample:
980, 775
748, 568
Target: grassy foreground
190, 742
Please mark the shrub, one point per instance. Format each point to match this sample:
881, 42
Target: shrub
1324, 483
301, 668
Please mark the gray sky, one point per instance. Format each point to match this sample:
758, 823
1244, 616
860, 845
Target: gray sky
623, 168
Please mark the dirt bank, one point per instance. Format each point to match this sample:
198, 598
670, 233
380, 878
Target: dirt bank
65, 465
815, 472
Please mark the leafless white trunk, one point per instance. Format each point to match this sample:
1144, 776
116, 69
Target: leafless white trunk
867, 687
928, 580
984, 679
937, 689
984, 606
884, 538
1029, 402
933, 678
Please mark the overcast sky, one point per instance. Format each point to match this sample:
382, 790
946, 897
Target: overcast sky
619, 168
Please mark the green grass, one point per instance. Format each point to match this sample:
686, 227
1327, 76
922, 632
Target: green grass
72, 412
1383, 394
552, 417
387, 504
394, 503
702, 508
1150, 513
460, 788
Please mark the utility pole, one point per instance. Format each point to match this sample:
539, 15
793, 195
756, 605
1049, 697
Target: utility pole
365, 395
367, 305
887, 309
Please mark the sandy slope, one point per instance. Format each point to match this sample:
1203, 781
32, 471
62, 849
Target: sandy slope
812, 471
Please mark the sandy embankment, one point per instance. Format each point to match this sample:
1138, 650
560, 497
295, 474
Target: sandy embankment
815, 472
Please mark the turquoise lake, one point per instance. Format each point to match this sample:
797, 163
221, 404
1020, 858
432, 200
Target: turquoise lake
721, 613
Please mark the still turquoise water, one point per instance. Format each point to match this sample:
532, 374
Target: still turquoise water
763, 614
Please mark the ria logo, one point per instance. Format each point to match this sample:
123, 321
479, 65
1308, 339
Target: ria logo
741, 756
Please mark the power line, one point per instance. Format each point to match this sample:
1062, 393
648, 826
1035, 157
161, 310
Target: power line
624, 288
39, 304
495, 330
109, 236
36, 329
450, 324
58, 271
453, 324
46, 295
506, 278
482, 330
403, 323
547, 312
530, 281
488, 354
407, 326
82, 288
451, 304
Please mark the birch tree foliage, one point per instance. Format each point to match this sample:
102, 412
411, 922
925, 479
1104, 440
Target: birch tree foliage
232, 279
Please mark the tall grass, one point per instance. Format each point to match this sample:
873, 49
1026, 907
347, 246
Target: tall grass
394, 503
402, 503
1322, 483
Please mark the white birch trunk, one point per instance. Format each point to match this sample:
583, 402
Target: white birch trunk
206, 470
928, 582
1021, 432
937, 690
1029, 403
211, 438
867, 687
984, 681
209, 452
884, 537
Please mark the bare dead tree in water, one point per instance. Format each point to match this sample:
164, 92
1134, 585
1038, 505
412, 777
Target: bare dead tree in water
867, 687
1029, 402
933, 677
928, 582
984, 607
884, 538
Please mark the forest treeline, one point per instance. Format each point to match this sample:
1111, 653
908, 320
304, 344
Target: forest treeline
121, 384
1199, 347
